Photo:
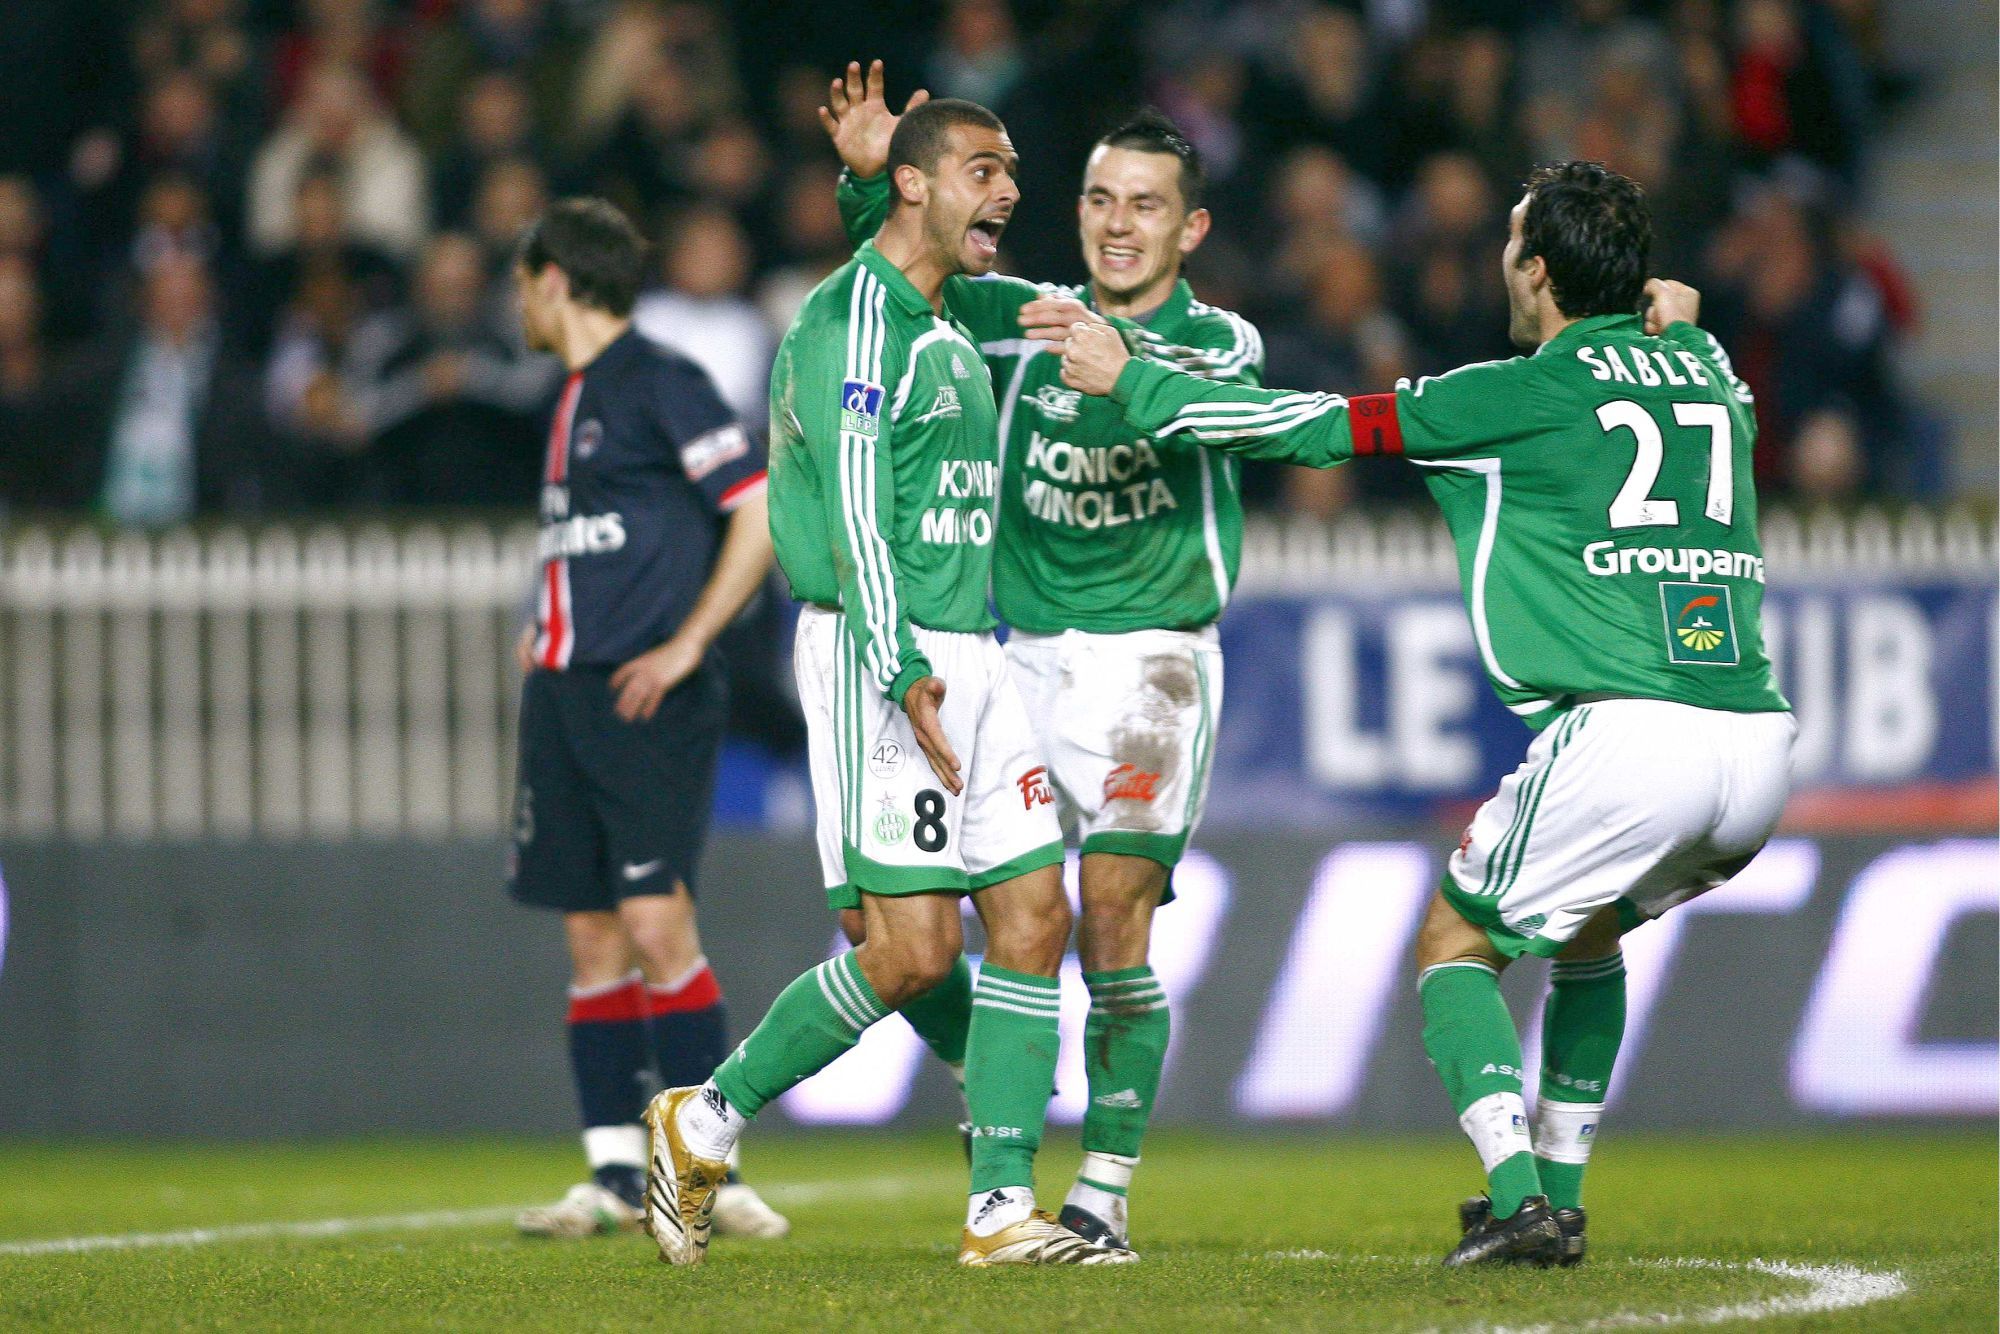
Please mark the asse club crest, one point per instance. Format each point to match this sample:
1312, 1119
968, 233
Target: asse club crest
1701, 624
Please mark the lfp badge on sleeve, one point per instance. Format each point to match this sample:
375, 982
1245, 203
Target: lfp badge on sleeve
861, 407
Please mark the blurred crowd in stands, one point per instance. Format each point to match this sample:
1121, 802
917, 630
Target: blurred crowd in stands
254, 253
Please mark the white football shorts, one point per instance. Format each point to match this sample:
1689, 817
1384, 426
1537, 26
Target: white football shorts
1635, 802
885, 824
1127, 722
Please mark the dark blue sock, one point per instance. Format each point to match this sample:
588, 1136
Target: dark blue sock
609, 1052
690, 1027
624, 1180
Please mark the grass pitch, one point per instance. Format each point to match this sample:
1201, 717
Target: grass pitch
1828, 1232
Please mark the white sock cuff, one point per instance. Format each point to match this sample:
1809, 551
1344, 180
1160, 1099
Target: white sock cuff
621, 1146
1485, 968
606, 989
1497, 1125
1107, 1169
679, 981
987, 1211
1566, 1131
709, 1125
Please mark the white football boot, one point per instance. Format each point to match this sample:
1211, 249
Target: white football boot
588, 1210
741, 1212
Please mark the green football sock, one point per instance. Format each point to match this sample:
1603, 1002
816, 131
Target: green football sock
1582, 1025
815, 1019
942, 1016
1010, 1066
1124, 1049
1471, 1040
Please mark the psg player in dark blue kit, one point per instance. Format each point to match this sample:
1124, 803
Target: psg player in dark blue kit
654, 534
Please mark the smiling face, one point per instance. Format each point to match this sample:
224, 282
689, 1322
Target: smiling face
969, 198
1134, 223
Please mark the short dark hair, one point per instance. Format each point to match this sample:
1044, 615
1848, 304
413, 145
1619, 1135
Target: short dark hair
1149, 130
923, 133
1592, 228
597, 248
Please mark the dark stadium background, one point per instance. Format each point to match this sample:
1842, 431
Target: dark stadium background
255, 719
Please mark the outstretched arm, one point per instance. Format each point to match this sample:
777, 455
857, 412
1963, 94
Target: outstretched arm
1436, 418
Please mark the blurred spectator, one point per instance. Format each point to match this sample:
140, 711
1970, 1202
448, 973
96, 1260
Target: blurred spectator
1320, 91
336, 127
1445, 253
1806, 330
1315, 199
355, 34
324, 437
1794, 95
811, 244
175, 427
978, 56
646, 161
627, 48
523, 37
33, 414
320, 243
702, 312
495, 126
1826, 463
511, 195
174, 219
208, 41
1345, 341
446, 399
67, 298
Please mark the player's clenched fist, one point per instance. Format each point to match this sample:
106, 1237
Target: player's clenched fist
1092, 357
1669, 302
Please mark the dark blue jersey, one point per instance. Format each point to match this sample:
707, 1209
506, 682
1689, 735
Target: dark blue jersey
644, 462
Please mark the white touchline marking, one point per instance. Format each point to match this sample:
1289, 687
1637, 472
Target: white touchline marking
1834, 1287
792, 1196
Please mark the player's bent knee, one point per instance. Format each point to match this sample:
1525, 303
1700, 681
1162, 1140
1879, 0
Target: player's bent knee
600, 949
1030, 944
1446, 937
1599, 937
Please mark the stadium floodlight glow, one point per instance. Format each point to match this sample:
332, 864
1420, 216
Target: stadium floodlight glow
1858, 1053
1780, 880
1333, 993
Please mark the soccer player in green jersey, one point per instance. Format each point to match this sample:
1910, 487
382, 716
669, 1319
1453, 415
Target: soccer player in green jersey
1600, 496
882, 481
1114, 556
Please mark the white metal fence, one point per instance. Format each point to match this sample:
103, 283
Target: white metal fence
329, 682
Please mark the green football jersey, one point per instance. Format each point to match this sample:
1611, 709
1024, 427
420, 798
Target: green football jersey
1599, 494
883, 468
1102, 528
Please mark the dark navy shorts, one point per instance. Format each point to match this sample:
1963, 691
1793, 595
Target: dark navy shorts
607, 809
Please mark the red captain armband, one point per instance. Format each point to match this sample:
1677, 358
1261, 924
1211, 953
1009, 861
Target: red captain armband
1376, 428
